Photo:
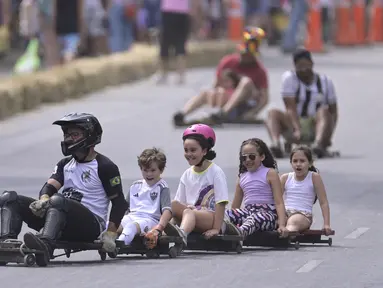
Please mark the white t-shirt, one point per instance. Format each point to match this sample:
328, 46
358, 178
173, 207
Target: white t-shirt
149, 201
309, 97
203, 190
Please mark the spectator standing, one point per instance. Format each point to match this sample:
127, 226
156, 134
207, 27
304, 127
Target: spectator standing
175, 27
122, 15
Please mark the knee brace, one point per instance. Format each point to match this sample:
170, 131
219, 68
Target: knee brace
58, 202
10, 220
7, 197
55, 218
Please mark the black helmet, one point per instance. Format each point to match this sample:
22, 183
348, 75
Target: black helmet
88, 123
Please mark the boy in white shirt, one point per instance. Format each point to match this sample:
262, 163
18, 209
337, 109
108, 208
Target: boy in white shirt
149, 201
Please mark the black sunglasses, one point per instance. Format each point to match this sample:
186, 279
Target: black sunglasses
251, 157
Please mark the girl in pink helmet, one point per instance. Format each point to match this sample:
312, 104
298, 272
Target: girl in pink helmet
202, 194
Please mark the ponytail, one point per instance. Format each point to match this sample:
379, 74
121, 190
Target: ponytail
210, 155
312, 168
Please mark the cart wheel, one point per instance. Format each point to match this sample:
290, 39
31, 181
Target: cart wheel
102, 255
67, 253
152, 255
29, 260
297, 245
330, 242
113, 254
238, 248
173, 252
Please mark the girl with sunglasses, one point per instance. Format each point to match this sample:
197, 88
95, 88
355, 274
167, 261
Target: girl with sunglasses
259, 187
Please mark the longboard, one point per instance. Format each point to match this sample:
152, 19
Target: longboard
168, 244
210, 122
271, 239
314, 237
229, 241
15, 251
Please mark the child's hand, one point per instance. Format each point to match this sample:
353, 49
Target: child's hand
282, 230
210, 233
327, 230
151, 238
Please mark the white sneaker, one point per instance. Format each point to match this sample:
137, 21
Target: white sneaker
183, 235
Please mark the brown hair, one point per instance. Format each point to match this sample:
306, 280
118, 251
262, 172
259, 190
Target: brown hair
262, 149
309, 155
149, 156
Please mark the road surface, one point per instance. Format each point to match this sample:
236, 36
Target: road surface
138, 116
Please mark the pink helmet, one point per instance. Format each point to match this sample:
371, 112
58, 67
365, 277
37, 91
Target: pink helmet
201, 130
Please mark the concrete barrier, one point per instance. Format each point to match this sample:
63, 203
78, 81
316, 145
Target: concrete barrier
83, 76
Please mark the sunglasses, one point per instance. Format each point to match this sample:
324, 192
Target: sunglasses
251, 157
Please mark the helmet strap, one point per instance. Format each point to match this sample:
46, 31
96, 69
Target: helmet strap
201, 162
81, 154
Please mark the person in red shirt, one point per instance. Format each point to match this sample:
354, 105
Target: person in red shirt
250, 95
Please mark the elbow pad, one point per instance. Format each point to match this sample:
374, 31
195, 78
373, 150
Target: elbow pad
48, 189
119, 207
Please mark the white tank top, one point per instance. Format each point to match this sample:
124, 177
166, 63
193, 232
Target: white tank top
299, 195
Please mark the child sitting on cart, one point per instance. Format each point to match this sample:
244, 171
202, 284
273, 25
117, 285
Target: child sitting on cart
149, 201
301, 188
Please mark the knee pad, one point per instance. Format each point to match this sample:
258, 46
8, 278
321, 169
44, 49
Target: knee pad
7, 197
58, 202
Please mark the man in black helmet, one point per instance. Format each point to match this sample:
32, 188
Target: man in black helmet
80, 212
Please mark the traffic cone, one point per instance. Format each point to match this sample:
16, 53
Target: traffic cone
344, 30
235, 20
359, 23
375, 33
314, 41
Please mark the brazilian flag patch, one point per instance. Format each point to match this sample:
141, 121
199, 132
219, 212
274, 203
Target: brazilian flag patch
115, 181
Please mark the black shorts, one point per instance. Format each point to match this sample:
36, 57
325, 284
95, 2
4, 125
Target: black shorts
175, 29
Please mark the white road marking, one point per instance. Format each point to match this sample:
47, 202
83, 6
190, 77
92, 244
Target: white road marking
309, 266
357, 233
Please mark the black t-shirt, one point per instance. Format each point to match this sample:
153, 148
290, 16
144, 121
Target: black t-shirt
67, 17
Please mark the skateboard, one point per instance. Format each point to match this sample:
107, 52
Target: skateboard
227, 242
271, 239
168, 244
328, 153
15, 251
314, 237
210, 122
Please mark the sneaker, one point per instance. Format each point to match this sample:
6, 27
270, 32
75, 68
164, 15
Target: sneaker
318, 151
178, 119
183, 235
276, 151
32, 241
231, 229
217, 118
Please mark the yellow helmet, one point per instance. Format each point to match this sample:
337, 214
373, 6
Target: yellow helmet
252, 39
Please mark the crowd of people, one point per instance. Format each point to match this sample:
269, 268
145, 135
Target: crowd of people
66, 29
